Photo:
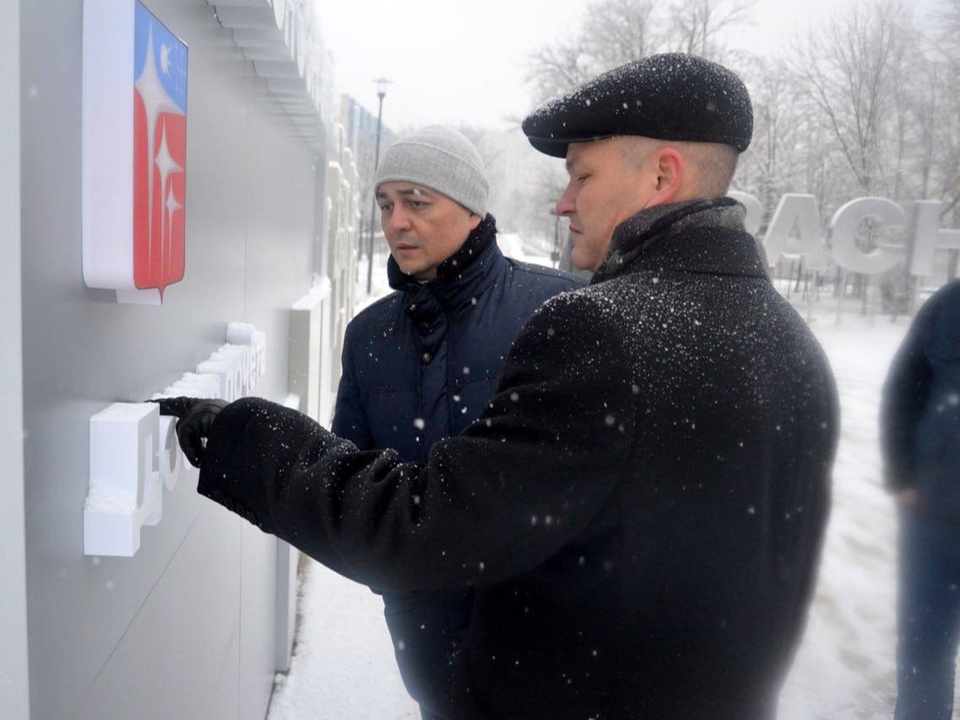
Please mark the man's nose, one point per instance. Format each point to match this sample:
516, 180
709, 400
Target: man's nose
398, 220
565, 205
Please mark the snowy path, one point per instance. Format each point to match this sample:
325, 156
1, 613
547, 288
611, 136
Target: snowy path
343, 668
845, 667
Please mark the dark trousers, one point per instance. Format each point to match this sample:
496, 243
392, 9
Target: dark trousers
427, 629
928, 619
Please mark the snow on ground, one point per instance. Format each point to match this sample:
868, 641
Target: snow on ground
845, 666
343, 666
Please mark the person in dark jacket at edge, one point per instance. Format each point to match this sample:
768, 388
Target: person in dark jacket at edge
920, 442
640, 508
423, 362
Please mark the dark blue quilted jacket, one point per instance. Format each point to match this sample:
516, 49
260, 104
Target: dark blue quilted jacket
420, 364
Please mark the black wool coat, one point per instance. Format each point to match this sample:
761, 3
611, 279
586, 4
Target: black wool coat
640, 509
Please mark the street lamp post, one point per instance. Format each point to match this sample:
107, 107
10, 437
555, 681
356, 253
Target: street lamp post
381, 91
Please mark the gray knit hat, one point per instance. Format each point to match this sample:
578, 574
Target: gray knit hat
441, 159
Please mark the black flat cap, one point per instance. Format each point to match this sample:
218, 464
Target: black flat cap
672, 96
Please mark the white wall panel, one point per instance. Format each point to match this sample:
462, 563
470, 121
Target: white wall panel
185, 628
14, 695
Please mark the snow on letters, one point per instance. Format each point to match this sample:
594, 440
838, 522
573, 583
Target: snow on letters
134, 453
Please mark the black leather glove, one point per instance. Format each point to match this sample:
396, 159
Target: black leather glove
196, 418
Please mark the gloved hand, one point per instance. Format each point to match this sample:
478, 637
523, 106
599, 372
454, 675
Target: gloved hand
196, 418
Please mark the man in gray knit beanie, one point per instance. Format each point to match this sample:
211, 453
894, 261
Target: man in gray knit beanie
423, 362
432, 190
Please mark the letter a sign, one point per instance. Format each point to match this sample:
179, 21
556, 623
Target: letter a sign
134, 151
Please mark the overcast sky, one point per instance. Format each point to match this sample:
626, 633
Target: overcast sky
463, 61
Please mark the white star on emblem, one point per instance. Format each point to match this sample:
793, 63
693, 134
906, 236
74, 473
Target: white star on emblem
165, 58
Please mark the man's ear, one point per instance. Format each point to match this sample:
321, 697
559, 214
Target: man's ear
474, 221
671, 171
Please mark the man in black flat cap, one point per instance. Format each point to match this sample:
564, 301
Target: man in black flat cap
640, 507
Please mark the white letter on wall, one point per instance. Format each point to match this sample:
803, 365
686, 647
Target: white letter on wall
125, 491
929, 237
800, 212
845, 228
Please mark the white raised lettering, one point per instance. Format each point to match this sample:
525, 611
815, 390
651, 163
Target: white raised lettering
124, 492
928, 237
846, 228
135, 454
795, 230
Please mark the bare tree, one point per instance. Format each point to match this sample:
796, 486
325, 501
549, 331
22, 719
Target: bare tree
850, 68
486, 142
698, 26
769, 166
946, 25
946, 144
942, 172
620, 31
556, 68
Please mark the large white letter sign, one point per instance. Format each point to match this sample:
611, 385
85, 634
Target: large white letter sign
795, 231
798, 213
929, 237
845, 228
134, 136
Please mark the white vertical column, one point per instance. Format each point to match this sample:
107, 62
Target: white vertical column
14, 678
